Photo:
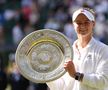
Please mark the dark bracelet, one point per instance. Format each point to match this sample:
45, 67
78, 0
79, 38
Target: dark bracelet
79, 76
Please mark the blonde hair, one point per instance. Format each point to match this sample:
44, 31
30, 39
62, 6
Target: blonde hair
90, 10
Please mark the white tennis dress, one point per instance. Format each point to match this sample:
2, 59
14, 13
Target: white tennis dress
93, 62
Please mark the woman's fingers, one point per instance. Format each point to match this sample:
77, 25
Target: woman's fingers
69, 67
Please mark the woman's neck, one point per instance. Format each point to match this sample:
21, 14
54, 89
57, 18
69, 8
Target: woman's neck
83, 41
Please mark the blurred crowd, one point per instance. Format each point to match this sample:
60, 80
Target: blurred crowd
18, 18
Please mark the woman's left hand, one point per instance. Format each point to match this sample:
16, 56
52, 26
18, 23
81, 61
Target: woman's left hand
70, 68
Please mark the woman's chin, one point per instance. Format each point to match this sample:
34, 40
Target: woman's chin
85, 35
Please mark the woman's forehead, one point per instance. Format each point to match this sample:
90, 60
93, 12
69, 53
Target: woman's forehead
81, 17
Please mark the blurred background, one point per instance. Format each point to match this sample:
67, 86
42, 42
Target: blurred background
18, 18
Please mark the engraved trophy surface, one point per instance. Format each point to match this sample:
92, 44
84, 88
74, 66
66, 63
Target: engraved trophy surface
41, 54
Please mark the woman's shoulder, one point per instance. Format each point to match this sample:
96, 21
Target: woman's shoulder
101, 44
101, 47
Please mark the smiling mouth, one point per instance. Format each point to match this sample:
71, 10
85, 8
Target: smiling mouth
83, 31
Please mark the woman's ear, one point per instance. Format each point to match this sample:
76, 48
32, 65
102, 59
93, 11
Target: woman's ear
73, 23
94, 23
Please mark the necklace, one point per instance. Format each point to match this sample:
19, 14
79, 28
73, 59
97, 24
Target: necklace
84, 52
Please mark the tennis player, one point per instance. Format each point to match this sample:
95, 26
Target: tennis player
89, 68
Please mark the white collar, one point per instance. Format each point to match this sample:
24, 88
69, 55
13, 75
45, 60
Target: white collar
91, 42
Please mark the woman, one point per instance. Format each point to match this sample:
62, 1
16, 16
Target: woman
89, 68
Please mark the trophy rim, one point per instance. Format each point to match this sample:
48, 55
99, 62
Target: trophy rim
58, 72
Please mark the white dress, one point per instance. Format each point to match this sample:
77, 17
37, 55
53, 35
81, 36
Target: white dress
93, 62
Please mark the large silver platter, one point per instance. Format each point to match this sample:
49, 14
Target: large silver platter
41, 54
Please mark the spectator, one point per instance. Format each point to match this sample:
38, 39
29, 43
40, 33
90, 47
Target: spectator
3, 75
16, 80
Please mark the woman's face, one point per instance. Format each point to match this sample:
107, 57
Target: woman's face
83, 26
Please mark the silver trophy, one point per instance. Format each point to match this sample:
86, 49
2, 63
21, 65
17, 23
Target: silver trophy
41, 54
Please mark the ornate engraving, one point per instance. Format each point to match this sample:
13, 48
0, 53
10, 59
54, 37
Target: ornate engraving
40, 55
